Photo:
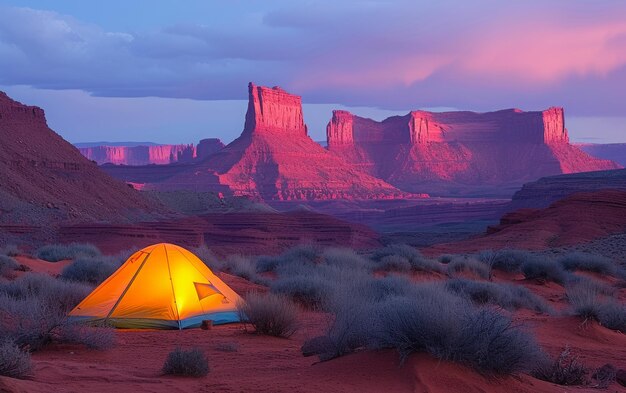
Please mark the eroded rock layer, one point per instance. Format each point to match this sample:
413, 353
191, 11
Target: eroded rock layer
44, 178
441, 152
146, 155
273, 159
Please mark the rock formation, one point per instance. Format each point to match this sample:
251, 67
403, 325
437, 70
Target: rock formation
154, 154
453, 152
45, 179
273, 111
208, 146
543, 192
273, 159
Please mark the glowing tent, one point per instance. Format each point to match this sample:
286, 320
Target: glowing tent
162, 286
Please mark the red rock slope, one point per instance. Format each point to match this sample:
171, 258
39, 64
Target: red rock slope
438, 152
578, 218
45, 178
275, 159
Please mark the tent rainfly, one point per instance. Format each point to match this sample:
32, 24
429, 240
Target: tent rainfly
162, 286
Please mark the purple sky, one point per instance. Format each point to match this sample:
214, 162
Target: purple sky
166, 73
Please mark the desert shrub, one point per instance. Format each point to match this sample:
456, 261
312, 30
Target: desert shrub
508, 296
192, 363
58, 252
303, 254
98, 337
350, 305
376, 289
89, 270
240, 266
590, 304
344, 258
450, 329
266, 263
470, 265
33, 312
208, 257
14, 362
566, 370
310, 291
490, 343
446, 258
270, 314
10, 250
427, 318
544, 269
59, 294
7, 265
604, 375
394, 263
591, 263
597, 286
414, 257
505, 260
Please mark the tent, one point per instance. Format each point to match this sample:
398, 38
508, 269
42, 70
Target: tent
162, 286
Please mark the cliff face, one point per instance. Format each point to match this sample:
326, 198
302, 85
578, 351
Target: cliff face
146, 155
417, 127
45, 179
450, 152
273, 111
541, 193
273, 159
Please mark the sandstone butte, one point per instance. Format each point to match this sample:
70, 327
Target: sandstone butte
275, 159
45, 178
146, 155
437, 152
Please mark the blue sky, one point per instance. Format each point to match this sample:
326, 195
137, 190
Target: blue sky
166, 72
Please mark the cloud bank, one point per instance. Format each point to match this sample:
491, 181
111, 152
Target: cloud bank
478, 55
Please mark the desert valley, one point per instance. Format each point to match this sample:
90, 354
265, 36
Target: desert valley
424, 250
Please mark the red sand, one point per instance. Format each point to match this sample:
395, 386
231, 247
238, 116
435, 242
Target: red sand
267, 364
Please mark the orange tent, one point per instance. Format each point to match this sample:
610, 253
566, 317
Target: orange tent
161, 286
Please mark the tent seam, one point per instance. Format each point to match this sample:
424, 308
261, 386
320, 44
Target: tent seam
127, 286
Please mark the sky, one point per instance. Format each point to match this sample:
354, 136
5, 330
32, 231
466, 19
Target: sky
158, 71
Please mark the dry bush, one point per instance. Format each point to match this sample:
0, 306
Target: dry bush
426, 318
590, 304
14, 362
7, 266
191, 363
566, 370
545, 270
508, 296
33, 313
592, 263
10, 250
90, 270
269, 314
470, 265
59, 252
416, 260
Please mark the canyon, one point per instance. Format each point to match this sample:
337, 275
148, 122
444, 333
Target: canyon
448, 154
272, 159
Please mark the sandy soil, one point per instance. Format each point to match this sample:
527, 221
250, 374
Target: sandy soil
268, 364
